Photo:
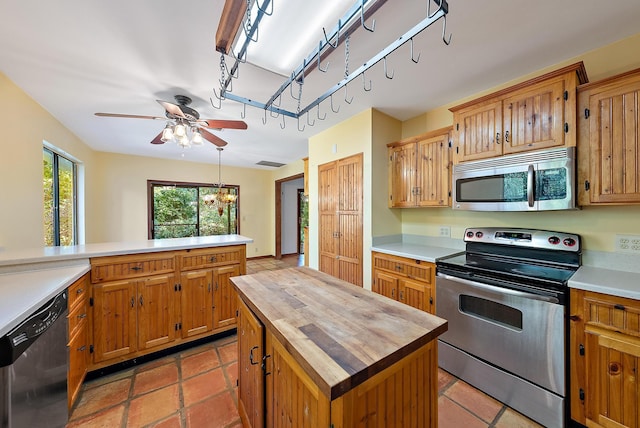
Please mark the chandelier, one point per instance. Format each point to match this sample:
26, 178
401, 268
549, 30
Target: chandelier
222, 198
182, 133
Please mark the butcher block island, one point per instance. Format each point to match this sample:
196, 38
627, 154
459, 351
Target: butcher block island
316, 351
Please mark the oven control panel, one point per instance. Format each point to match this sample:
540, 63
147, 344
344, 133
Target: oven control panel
532, 238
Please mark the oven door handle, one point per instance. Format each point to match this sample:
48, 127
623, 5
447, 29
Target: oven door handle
530, 186
501, 290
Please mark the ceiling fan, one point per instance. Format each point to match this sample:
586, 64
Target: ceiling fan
182, 120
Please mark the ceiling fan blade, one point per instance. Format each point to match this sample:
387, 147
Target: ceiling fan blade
215, 140
172, 108
223, 124
130, 116
157, 140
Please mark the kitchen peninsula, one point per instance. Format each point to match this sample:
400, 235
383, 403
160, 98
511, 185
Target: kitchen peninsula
317, 351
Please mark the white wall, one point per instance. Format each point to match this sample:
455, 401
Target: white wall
289, 219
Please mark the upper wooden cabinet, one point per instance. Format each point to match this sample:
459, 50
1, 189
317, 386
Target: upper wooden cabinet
419, 171
609, 141
537, 114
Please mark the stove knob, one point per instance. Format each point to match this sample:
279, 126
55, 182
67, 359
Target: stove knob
569, 242
554, 240
470, 234
479, 234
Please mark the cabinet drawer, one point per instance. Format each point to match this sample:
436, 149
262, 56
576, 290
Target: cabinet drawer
415, 269
210, 257
77, 316
78, 290
612, 313
126, 267
78, 360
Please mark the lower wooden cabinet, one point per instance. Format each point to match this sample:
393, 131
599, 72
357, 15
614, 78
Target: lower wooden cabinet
408, 281
605, 358
78, 337
251, 394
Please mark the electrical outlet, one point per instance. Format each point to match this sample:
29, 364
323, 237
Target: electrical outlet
445, 231
628, 243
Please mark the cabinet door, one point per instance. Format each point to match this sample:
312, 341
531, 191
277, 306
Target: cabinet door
433, 178
224, 296
196, 302
612, 397
251, 381
414, 293
293, 399
613, 144
328, 221
479, 131
402, 176
114, 320
385, 284
156, 313
534, 118
350, 219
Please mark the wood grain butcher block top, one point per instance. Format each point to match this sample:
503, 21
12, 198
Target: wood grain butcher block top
339, 333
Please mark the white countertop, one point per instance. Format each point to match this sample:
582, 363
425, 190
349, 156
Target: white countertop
22, 293
426, 253
49, 254
600, 280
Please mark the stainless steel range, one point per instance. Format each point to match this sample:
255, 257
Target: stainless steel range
506, 301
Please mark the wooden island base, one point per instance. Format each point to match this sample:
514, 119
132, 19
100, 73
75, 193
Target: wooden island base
315, 351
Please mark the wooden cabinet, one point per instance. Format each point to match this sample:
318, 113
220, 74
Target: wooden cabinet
406, 280
605, 357
608, 141
251, 394
537, 114
133, 315
340, 196
78, 336
143, 303
419, 171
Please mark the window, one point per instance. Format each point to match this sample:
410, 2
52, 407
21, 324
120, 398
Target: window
60, 206
177, 210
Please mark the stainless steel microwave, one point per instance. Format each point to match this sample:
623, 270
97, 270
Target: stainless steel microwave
534, 181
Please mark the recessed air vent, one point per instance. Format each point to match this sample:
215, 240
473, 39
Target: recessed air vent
269, 163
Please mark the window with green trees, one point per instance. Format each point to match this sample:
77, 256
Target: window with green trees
60, 206
178, 210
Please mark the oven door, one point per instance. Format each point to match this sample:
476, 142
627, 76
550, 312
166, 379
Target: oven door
519, 332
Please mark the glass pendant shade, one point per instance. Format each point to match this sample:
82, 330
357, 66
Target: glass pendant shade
179, 131
167, 134
196, 139
183, 141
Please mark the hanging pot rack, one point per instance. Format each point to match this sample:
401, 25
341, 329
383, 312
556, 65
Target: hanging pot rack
345, 26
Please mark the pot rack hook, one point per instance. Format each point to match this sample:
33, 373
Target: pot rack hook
293, 79
333, 45
373, 23
332, 109
444, 30
283, 124
324, 116
219, 98
346, 92
415, 60
310, 123
440, 6
263, 10
326, 67
364, 83
386, 73
264, 119
303, 125
243, 113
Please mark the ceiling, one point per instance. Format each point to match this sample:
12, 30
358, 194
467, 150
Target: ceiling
78, 57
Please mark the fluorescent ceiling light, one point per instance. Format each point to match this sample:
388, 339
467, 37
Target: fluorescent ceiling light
291, 33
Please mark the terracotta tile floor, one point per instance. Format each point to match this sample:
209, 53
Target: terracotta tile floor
196, 388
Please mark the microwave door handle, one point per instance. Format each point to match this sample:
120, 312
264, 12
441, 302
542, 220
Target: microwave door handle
530, 186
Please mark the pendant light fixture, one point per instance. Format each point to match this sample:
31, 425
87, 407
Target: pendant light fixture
222, 198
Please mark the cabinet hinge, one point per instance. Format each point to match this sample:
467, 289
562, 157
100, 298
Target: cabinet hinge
566, 127
457, 126
457, 150
91, 349
431, 300
90, 301
449, 193
587, 113
581, 350
566, 95
587, 185
581, 394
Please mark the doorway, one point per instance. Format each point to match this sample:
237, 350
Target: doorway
287, 215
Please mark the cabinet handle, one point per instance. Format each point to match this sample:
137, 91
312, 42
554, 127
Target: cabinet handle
136, 268
253, 363
213, 259
506, 137
401, 296
141, 300
619, 306
79, 291
264, 365
82, 316
209, 287
133, 302
82, 348
497, 138
393, 293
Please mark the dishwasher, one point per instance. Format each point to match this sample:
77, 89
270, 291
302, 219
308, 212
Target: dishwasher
33, 369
